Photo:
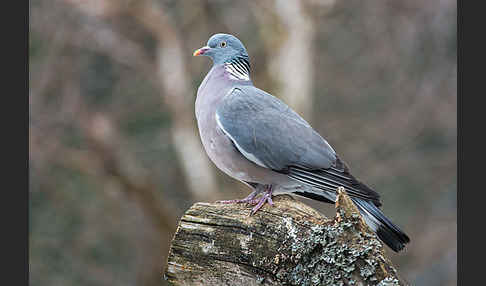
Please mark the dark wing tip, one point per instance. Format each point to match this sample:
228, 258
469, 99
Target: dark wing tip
333, 177
395, 240
341, 166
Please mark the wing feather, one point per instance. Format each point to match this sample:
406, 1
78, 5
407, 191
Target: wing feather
267, 132
270, 134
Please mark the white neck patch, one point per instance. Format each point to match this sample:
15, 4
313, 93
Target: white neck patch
238, 69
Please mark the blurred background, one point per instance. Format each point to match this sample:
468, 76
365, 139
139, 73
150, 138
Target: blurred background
115, 155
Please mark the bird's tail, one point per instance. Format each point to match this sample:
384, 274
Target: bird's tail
389, 233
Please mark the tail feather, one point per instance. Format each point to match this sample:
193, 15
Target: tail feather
388, 232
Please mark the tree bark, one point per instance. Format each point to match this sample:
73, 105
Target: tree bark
285, 244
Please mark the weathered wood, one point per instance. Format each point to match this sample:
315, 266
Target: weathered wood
287, 244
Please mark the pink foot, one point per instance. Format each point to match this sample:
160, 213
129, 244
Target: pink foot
267, 197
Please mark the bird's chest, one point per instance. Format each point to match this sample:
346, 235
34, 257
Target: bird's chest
217, 145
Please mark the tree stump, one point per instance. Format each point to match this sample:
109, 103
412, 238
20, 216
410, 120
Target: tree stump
286, 244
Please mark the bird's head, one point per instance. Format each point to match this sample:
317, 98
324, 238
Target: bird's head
222, 48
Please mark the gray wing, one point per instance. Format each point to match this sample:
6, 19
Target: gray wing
267, 132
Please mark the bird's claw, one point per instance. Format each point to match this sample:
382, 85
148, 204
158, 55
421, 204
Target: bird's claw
267, 197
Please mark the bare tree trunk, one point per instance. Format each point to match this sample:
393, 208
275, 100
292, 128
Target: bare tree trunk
172, 78
287, 244
293, 63
171, 70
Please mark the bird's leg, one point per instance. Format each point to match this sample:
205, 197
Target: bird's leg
249, 199
267, 197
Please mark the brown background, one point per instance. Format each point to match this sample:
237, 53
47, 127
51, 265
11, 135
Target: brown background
115, 157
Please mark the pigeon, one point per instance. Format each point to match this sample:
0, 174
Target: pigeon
257, 139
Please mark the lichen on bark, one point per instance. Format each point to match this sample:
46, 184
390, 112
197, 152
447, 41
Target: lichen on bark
287, 244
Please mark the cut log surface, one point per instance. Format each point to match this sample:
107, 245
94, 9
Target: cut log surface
286, 244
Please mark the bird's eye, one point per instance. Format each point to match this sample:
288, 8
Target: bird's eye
223, 44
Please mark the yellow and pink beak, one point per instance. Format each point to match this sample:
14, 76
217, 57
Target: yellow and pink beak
201, 51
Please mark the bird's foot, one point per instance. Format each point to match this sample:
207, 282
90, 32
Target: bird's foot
250, 199
267, 197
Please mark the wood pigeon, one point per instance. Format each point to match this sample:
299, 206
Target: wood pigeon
257, 139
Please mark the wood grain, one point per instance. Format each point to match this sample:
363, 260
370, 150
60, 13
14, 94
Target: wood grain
286, 244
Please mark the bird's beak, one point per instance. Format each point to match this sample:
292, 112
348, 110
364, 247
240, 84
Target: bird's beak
201, 51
